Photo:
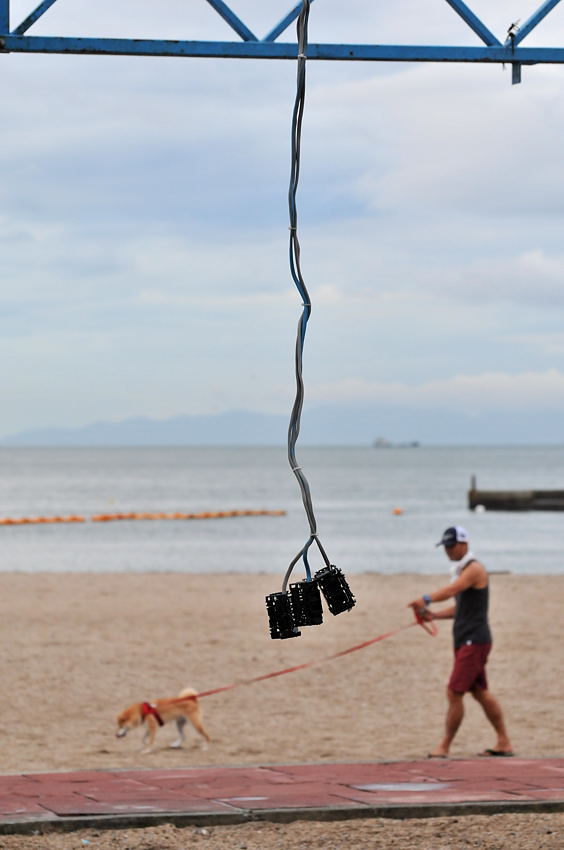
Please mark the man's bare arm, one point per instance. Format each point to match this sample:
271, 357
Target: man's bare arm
444, 614
474, 575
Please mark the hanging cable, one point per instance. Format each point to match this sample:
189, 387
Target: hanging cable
301, 604
295, 269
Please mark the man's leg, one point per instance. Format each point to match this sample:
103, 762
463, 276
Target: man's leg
493, 712
455, 713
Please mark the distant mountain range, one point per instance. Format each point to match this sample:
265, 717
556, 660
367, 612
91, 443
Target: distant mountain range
232, 428
320, 426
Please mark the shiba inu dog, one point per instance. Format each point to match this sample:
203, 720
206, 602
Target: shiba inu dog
151, 715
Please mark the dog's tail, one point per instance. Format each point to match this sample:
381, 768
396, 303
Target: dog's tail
188, 692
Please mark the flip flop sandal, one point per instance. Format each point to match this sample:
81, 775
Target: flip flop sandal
499, 753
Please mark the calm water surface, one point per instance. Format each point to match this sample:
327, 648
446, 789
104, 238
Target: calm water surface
355, 491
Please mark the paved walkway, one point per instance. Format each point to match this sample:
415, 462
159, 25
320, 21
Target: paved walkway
216, 795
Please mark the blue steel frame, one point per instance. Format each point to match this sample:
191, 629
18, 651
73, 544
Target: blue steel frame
251, 47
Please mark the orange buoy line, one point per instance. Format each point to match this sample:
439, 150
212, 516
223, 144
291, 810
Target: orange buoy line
179, 515
35, 520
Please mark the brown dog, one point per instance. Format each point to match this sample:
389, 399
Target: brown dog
154, 714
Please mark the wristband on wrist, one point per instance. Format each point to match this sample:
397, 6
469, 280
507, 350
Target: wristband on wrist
426, 599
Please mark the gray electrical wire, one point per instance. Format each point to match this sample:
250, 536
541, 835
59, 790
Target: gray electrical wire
295, 417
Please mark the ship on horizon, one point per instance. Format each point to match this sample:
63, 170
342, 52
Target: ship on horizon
384, 443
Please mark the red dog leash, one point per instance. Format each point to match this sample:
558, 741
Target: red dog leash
428, 625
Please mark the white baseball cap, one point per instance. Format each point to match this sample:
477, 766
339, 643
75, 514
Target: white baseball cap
453, 535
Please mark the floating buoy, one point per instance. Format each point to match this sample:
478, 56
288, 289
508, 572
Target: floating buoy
397, 511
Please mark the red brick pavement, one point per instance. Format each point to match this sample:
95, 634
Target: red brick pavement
279, 792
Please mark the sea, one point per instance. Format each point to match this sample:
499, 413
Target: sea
378, 510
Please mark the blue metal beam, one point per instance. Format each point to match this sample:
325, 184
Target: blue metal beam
284, 23
535, 19
234, 22
274, 50
459, 6
473, 22
4, 16
33, 17
251, 48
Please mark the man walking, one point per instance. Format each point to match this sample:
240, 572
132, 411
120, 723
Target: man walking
472, 640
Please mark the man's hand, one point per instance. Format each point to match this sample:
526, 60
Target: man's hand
420, 610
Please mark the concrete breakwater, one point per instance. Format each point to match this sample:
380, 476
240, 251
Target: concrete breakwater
515, 500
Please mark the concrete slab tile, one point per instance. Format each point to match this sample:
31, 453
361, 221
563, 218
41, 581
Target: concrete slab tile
377, 798
67, 805
302, 801
241, 778
13, 806
546, 794
71, 776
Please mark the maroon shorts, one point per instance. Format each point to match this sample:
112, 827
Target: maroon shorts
469, 671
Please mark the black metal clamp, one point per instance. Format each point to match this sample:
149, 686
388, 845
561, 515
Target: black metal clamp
301, 604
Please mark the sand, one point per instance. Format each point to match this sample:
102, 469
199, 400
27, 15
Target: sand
79, 648
476, 832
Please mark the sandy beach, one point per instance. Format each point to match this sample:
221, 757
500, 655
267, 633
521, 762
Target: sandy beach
79, 648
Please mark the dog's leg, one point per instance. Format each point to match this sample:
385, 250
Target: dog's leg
150, 732
196, 718
180, 724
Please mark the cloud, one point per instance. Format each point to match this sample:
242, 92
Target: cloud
469, 393
532, 278
438, 137
549, 343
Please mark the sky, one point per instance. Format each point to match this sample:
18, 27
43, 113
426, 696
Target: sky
145, 224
